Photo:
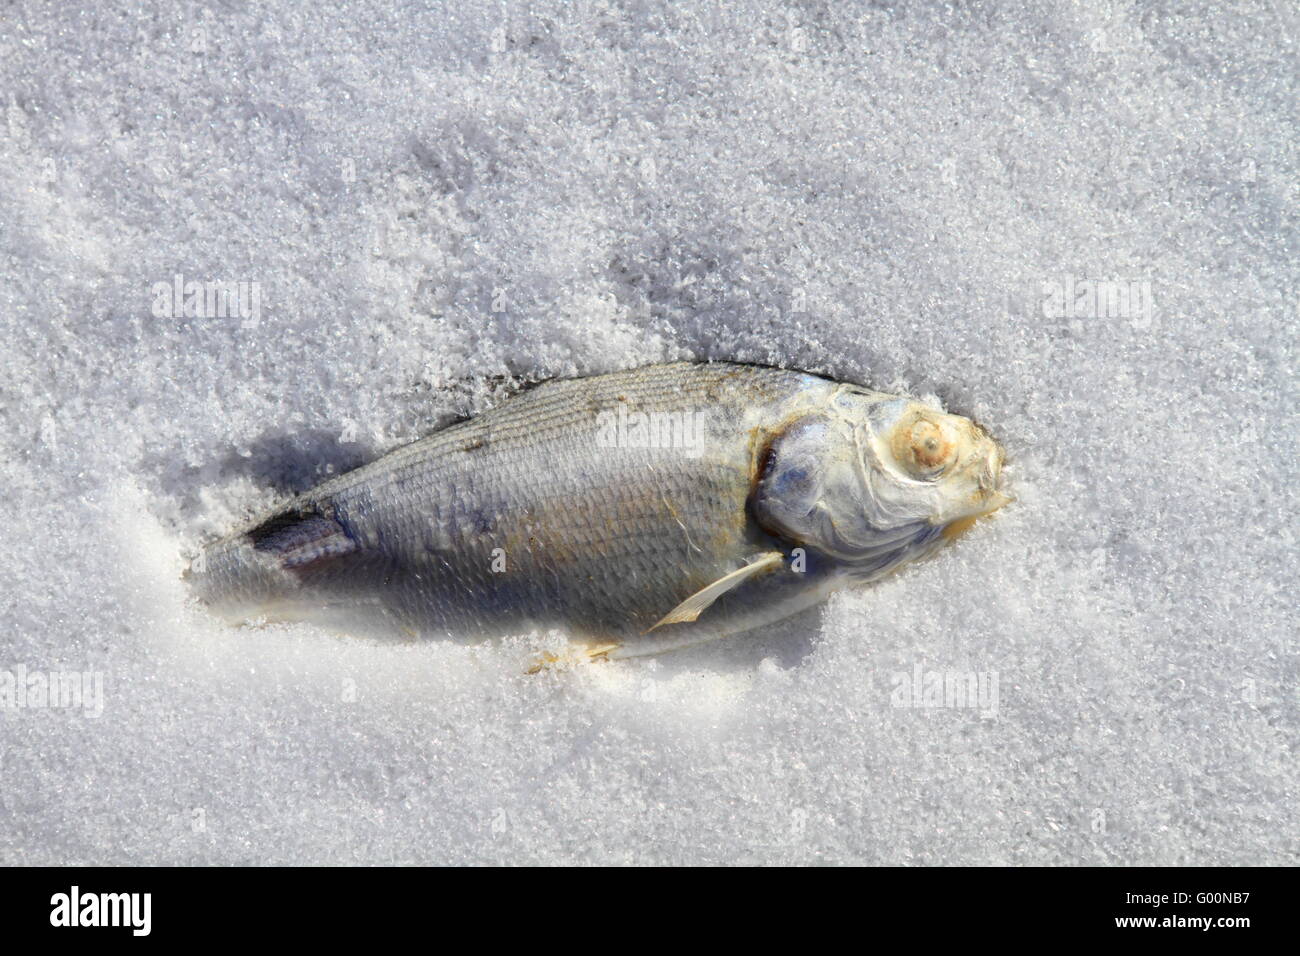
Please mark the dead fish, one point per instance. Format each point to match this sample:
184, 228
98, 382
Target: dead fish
639, 511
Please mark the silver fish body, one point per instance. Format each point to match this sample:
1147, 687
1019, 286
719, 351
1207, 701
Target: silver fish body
599, 505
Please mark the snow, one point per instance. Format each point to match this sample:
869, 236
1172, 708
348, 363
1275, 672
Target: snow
438, 201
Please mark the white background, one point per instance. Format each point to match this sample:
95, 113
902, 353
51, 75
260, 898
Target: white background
875, 194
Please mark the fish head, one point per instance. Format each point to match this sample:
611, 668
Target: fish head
876, 479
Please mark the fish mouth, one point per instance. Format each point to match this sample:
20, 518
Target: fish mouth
993, 501
991, 494
994, 488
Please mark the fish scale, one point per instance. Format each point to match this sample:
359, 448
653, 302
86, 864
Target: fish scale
541, 512
575, 523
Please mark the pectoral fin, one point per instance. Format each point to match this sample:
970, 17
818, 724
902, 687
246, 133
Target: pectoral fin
693, 606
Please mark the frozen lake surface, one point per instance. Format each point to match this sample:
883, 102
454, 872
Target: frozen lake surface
427, 204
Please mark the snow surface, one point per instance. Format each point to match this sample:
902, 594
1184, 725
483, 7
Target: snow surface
440, 200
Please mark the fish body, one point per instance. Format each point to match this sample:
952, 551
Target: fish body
639, 511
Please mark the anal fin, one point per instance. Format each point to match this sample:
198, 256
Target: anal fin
574, 654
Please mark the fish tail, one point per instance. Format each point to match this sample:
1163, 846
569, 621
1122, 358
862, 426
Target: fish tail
270, 563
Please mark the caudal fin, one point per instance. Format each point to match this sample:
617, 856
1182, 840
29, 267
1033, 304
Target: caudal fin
270, 563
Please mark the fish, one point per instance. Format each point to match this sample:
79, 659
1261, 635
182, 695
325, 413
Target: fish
637, 512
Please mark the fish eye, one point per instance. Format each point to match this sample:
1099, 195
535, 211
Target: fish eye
925, 449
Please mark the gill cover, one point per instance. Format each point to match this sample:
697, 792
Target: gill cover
822, 486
